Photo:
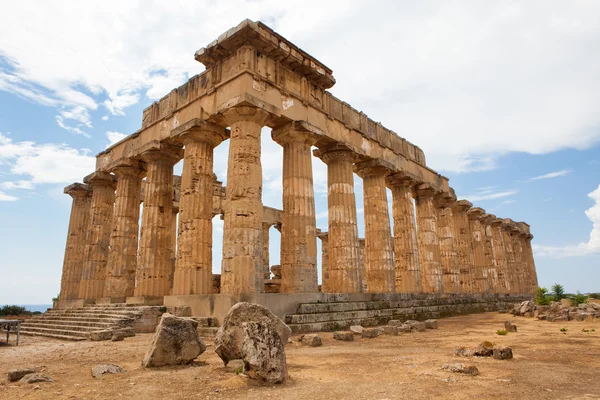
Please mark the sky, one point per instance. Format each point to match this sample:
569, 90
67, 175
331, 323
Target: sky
503, 97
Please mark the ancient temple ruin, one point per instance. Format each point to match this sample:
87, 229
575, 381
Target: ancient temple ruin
440, 246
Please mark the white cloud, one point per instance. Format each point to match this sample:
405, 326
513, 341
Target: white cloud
114, 137
551, 175
73, 129
45, 163
16, 185
592, 246
6, 197
489, 195
105, 118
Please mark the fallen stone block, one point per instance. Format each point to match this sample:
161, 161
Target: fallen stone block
101, 335
416, 326
390, 330
102, 369
509, 327
16, 374
344, 336
503, 353
395, 322
117, 337
431, 324
370, 333
484, 349
461, 368
35, 378
357, 329
229, 337
404, 328
175, 342
312, 340
464, 351
263, 353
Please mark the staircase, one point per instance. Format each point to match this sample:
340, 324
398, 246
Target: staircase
77, 323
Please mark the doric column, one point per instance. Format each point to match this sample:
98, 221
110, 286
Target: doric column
528, 254
429, 245
74, 250
492, 265
499, 255
477, 231
406, 253
324, 236
344, 257
447, 242
379, 254
266, 259
510, 269
242, 265
519, 272
362, 269
298, 220
193, 262
154, 274
472, 279
122, 255
98, 237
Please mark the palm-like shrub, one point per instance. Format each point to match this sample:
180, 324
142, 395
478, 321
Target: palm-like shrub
558, 292
541, 296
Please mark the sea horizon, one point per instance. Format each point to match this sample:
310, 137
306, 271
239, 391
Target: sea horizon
31, 307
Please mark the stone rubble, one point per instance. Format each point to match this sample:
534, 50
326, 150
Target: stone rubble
431, 324
370, 333
311, 340
509, 327
102, 369
16, 374
558, 311
461, 368
35, 378
344, 336
357, 329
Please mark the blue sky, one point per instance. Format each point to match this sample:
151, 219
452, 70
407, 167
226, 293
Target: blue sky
503, 98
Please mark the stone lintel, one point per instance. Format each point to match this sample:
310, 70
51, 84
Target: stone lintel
100, 178
373, 167
78, 189
157, 149
273, 45
476, 213
247, 100
462, 205
199, 130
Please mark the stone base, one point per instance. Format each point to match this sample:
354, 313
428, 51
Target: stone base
65, 304
111, 300
146, 300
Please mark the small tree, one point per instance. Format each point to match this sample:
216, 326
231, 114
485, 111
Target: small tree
558, 292
541, 296
578, 299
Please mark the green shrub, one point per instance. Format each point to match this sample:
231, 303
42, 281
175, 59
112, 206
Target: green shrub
13, 310
579, 299
594, 296
501, 332
563, 330
541, 296
56, 298
558, 292
239, 369
163, 309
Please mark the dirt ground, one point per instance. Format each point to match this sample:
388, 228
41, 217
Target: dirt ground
547, 364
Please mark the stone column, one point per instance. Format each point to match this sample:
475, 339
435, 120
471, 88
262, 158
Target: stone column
193, 265
266, 259
528, 254
499, 255
510, 270
429, 245
406, 253
472, 279
298, 220
154, 274
519, 271
122, 255
492, 265
325, 286
477, 231
379, 255
98, 238
344, 256
242, 265
74, 251
362, 269
447, 243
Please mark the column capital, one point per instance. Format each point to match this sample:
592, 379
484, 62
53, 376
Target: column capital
476, 213
157, 150
496, 222
323, 235
335, 152
197, 130
445, 199
100, 178
487, 219
372, 168
296, 131
78, 190
128, 167
402, 178
425, 190
245, 113
462, 205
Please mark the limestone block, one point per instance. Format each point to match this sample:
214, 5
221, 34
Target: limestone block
431, 324
311, 340
16, 374
102, 369
468, 369
370, 333
343, 336
263, 353
502, 353
36, 378
357, 329
390, 330
101, 335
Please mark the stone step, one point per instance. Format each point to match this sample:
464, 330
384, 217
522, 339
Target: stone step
93, 315
55, 331
53, 335
312, 308
383, 314
88, 320
331, 326
59, 325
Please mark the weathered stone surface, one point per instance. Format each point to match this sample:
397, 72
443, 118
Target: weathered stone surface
35, 378
228, 341
431, 324
16, 374
117, 337
461, 368
370, 333
390, 330
503, 353
509, 327
175, 341
429, 245
484, 349
357, 329
263, 353
101, 335
464, 351
404, 328
102, 369
343, 336
395, 322
416, 326
311, 340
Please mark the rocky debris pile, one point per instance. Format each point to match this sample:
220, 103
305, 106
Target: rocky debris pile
413, 326
255, 335
485, 349
311, 340
557, 311
102, 369
175, 342
394, 328
461, 368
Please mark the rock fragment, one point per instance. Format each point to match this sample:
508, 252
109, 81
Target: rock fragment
370, 333
461, 368
16, 374
312, 340
390, 330
357, 329
431, 324
484, 349
102, 369
263, 353
35, 378
503, 353
343, 336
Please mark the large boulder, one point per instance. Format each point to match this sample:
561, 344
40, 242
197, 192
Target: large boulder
229, 338
263, 353
176, 341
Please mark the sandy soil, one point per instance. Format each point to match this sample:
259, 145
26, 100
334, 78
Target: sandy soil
548, 364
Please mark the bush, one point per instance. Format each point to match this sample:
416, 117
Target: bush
501, 332
541, 296
563, 330
56, 298
558, 292
578, 299
13, 310
594, 296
